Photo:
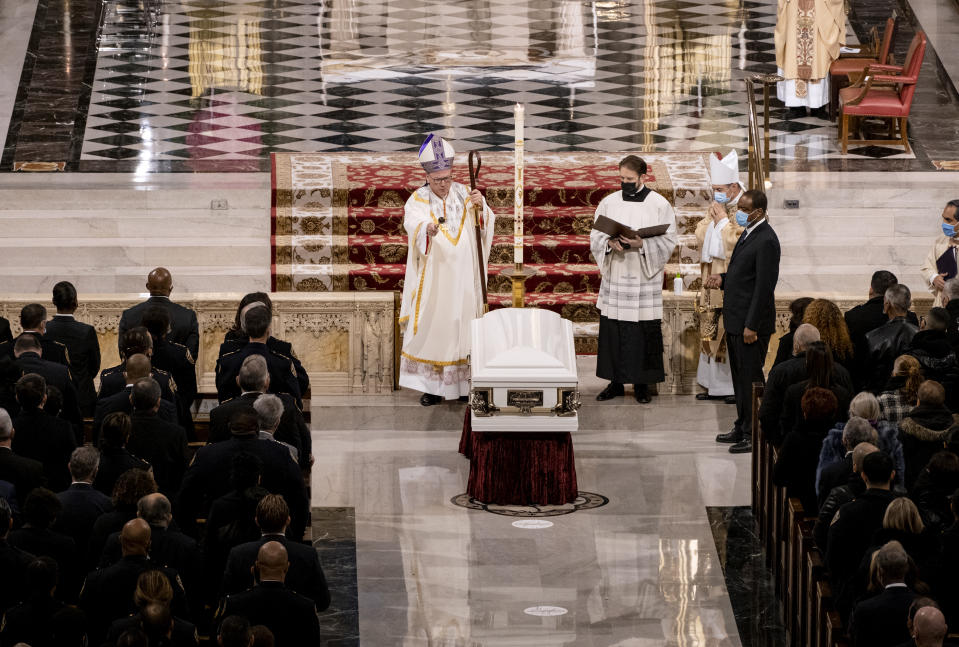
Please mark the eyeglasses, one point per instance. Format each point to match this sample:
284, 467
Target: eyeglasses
441, 180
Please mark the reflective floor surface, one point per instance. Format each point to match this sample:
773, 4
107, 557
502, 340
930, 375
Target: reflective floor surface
641, 571
200, 85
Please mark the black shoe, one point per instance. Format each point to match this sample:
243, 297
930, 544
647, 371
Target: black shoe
732, 436
428, 399
463, 398
702, 397
641, 393
730, 399
613, 390
744, 446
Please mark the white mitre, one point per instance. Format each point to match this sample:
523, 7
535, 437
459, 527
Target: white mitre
436, 154
724, 170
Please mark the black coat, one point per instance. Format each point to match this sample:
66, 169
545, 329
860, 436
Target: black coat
883, 345
861, 320
13, 565
59, 376
833, 475
177, 360
880, 621
235, 340
43, 623
784, 351
796, 467
5, 334
792, 404
749, 283
281, 368
837, 498
208, 478
47, 439
114, 461
183, 635
293, 428
290, 616
84, 348
304, 577
184, 328
113, 380
82, 506
105, 525
120, 401
168, 547
925, 431
24, 473
162, 444
61, 548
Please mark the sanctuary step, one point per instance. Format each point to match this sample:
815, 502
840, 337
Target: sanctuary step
104, 232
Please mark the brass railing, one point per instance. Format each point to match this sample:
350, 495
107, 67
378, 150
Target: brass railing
759, 137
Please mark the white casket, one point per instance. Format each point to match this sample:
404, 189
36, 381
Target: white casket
523, 372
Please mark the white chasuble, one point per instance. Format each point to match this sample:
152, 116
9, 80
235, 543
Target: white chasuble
441, 291
632, 280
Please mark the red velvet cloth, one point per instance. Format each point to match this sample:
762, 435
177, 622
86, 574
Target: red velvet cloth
520, 468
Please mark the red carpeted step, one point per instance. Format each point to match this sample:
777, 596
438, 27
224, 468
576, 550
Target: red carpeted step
540, 250
388, 221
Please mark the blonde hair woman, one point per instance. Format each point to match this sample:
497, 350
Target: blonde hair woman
901, 391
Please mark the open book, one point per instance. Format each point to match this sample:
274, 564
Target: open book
615, 229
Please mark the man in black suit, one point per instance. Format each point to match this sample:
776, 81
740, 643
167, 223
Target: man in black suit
890, 340
880, 621
184, 328
33, 321
28, 352
749, 309
257, 323
254, 380
208, 477
290, 616
306, 576
82, 504
136, 368
781, 377
24, 473
107, 594
852, 528
13, 562
41, 436
160, 443
81, 342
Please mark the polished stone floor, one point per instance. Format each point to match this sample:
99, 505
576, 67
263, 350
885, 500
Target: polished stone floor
191, 85
643, 570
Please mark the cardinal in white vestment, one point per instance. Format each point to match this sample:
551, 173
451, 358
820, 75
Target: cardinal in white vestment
442, 291
717, 237
631, 292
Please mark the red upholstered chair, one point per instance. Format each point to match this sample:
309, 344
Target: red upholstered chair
885, 92
847, 69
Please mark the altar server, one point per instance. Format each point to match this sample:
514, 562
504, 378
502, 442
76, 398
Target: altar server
717, 237
631, 292
442, 292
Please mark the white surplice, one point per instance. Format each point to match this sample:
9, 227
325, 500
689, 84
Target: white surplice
442, 291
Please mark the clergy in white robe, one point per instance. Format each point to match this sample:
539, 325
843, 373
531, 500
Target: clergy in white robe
442, 291
808, 36
631, 292
947, 241
717, 236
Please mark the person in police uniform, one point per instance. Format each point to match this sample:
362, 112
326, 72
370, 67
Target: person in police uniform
257, 322
30, 359
184, 328
173, 358
33, 321
135, 369
236, 337
81, 343
136, 341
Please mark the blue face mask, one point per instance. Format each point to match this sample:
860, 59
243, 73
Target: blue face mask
948, 230
742, 218
720, 197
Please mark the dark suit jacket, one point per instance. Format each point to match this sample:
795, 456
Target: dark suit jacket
282, 372
208, 478
59, 376
883, 345
113, 463
293, 428
796, 467
120, 401
184, 328
235, 340
177, 360
5, 334
861, 320
53, 351
167, 548
61, 548
749, 284
44, 622
290, 616
163, 445
82, 505
47, 439
833, 475
304, 577
81, 341
112, 380
13, 565
25, 473
880, 621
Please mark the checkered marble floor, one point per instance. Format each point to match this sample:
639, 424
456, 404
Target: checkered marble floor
196, 80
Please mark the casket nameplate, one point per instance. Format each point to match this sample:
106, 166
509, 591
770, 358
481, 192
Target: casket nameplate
525, 401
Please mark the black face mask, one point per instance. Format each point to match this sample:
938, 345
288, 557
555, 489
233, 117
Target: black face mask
629, 188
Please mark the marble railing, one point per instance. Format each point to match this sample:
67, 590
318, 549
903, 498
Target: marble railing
346, 340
